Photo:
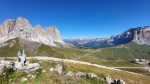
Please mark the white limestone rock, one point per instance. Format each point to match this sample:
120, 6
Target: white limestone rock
122, 82
51, 69
43, 71
58, 69
109, 80
5, 63
22, 28
31, 67
69, 73
80, 75
21, 64
23, 79
91, 75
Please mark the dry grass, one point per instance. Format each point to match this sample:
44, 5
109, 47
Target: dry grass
101, 72
53, 78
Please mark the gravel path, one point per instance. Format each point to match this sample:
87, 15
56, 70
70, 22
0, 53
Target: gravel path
71, 61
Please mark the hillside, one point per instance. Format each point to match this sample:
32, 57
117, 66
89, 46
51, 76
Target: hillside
104, 56
126, 51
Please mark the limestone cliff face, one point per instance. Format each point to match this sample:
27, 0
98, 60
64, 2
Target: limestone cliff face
23, 29
6, 27
54, 32
142, 36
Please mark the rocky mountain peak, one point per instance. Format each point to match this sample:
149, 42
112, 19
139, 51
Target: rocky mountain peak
53, 29
139, 35
142, 36
21, 28
6, 27
55, 33
37, 28
20, 19
22, 22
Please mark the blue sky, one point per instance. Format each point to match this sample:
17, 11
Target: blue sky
80, 18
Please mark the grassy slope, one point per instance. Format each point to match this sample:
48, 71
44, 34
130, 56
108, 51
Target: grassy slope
51, 78
60, 52
9, 51
128, 51
105, 56
114, 56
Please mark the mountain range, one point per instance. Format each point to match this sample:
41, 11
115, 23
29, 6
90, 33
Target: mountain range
46, 43
139, 35
22, 29
27, 34
19, 34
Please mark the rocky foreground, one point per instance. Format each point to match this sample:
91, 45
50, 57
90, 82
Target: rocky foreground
21, 65
58, 69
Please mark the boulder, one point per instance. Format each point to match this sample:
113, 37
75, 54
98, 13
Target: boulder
20, 64
43, 71
58, 69
80, 75
23, 79
31, 67
120, 82
109, 80
5, 63
51, 69
91, 75
69, 73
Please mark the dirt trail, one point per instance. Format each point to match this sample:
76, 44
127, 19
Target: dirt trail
72, 61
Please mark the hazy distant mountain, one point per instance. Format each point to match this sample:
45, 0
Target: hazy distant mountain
139, 35
88, 42
22, 29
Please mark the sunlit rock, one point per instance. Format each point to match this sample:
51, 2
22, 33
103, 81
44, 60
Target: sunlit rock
20, 64
58, 69
69, 73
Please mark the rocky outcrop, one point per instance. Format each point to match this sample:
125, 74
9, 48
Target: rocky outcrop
70, 73
58, 69
111, 81
91, 75
80, 75
139, 35
20, 65
142, 36
21, 28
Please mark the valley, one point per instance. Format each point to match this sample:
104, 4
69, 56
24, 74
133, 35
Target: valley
74, 42
116, 61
